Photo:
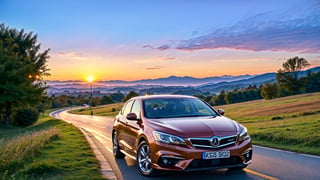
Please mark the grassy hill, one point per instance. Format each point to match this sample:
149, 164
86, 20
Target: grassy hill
290, 123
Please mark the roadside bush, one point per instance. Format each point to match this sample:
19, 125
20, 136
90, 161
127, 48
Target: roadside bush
26, 116
276, 118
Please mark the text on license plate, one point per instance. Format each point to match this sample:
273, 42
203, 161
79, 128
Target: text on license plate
216, 155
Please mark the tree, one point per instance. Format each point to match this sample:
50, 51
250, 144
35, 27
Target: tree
218, 100
312, 82
106, 100
26, 116
269, 90
130, 95
117, 97
22, 67
229, 98
95, 101
288, 77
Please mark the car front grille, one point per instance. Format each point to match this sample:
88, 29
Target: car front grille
213, 142
214, 163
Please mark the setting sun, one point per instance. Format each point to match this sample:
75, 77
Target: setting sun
90, 78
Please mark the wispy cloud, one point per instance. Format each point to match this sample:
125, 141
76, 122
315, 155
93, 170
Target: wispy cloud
169, 58
73, 55
155, 68
259, 33
161, 48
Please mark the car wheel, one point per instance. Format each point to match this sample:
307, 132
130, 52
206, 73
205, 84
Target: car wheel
144, 162
115, 146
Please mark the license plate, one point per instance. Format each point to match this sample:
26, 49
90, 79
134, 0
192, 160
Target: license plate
216, 155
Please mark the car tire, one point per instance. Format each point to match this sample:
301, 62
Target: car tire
144, 162
115, 146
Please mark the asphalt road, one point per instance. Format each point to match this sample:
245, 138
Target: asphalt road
267, 163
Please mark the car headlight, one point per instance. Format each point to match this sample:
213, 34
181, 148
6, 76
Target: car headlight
243, 134
168, 138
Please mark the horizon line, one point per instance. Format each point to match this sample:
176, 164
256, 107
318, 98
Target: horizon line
78, 80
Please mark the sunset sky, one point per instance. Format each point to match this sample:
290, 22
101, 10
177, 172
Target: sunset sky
142, 39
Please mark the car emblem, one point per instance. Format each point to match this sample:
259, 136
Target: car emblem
215, 141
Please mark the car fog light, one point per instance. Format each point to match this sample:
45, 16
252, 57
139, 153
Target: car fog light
248, 155
168, 161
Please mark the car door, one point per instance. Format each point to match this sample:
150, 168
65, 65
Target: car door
134, 126
122, 126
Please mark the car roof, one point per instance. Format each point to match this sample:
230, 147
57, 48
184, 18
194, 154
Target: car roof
163, 96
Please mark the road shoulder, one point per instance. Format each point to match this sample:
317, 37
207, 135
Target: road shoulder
106, 170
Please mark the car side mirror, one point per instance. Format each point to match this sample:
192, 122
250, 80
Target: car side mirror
221, 111
132, 116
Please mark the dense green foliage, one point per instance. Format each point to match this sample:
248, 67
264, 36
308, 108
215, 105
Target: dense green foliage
50, 149
269, 91
238, 95
117, 97
217, 100
80, 100
106, 100
242, 96
130, 95
312, 82
22, 67
26, 116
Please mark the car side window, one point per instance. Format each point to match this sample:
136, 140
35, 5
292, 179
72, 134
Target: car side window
127, 108
136, 109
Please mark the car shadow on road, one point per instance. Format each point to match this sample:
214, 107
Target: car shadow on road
129, 171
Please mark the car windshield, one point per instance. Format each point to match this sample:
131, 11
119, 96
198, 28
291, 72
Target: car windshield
176, 107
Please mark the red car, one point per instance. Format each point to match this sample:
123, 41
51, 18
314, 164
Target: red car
179, 133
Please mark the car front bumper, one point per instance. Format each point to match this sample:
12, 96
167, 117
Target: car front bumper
187, 158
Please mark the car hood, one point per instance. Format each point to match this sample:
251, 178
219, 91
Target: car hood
196, 126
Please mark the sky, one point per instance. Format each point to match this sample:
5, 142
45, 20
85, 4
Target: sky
147, 39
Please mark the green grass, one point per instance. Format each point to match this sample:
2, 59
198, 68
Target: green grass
50, 149
106, 110
289, 123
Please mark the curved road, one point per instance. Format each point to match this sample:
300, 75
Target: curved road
267, 163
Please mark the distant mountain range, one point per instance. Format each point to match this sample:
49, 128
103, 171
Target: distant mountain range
183, 81
172, 84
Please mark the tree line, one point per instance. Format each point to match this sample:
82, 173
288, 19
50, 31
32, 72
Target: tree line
80, 100
235, 96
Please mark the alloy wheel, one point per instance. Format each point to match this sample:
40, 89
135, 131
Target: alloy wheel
144, 159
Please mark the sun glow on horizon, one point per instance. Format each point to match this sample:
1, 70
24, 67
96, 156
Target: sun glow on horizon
90, 78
